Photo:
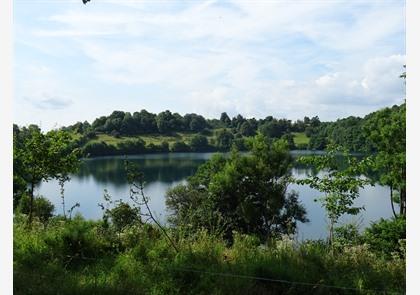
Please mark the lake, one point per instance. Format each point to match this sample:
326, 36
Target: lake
163, 171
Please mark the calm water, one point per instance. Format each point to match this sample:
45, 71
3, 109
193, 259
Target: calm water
163, 171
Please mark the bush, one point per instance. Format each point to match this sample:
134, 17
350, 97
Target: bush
206, 132
180, 146
123, 215
98, 149
386, 236
132, 146
302, 146
76, 242
199, 143
78, 257
115, 133
164, 147
240, 144
346, 235
42, 207
158, 148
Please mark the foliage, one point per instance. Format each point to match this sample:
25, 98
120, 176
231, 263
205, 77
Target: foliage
79, 257
347, 235
248, 193
289, 138
387, 237
132, 146
275, 128
339, 186
199, 143
224, 139
347, 132
179, 146
386, 129
123, 215
221, 133
39, 157
42, 207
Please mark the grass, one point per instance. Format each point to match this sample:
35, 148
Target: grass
150, 138
153, 138
300, 138
83, 257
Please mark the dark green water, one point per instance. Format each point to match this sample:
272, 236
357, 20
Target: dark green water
163, 171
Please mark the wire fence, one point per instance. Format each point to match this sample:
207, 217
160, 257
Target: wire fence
318, 285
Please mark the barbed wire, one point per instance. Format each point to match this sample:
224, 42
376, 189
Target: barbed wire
225, 274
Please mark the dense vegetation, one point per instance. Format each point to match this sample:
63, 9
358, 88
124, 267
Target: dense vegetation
232, 227
144, 132
85, 257
123, 133
354, 133
245, 193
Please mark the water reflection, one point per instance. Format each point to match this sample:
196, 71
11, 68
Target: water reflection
163, 171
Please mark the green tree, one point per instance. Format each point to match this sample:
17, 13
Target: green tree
39, 157
199, 143
42, 207
274, 128
386, 236
246, 193
386, 129
179, 146
246, 129
224, 118
163, 122
224, 139
340, 185
289, 138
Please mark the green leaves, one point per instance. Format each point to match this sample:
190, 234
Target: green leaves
339, 185
39, 157
387, 131
249, 192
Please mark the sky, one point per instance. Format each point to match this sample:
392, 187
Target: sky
288, 59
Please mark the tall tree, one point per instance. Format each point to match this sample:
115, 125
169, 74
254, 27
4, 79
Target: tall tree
386, 129
340, 185
39, 157
247, 192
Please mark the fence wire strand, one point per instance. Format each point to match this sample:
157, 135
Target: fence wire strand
225, 274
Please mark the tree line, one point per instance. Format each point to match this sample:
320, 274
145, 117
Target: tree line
354, 133
120, 123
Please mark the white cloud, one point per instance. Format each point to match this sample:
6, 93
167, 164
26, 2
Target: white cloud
285, 58
50, 102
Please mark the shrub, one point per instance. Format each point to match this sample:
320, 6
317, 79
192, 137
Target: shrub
347, 234
199, 143
123, 215
76, 242
132, 146
385, 236
98, 149
180, 146
43, 208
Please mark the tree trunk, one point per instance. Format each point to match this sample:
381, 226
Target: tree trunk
392, 201
403, 194
31, 203
332, 235
402, 202
62, 198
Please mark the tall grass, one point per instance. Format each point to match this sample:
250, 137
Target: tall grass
83, 257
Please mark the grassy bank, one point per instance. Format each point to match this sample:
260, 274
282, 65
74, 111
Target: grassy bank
299, 138
101, 144
86, 257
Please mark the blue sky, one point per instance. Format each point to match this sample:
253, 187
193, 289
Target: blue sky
291, 59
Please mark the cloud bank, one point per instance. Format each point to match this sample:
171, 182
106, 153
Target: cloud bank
281, 58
